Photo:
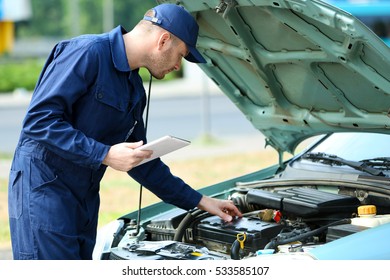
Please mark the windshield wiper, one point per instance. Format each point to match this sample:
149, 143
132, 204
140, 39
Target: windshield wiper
335, 160
382, 163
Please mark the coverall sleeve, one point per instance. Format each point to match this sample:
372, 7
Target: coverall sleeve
64, 78
156, 177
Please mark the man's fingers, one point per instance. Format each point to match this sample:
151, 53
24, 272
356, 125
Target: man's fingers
134, 145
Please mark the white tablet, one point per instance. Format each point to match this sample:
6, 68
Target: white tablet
163, 146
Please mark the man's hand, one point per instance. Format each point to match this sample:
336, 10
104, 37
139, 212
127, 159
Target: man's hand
225, 209
124, 157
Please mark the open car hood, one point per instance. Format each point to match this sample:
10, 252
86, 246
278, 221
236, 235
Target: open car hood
295, 68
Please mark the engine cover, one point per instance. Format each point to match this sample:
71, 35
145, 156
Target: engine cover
305, 202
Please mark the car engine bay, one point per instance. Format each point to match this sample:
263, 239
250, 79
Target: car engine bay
279, 216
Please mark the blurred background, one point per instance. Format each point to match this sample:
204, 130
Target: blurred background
30, 28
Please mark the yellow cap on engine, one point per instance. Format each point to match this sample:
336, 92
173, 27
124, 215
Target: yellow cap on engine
367, 210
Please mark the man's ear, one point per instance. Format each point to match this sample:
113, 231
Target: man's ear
163, 40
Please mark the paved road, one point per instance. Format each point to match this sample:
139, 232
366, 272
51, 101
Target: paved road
189, 116
5, 254
185, 116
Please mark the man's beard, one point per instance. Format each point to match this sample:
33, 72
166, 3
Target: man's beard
157, 65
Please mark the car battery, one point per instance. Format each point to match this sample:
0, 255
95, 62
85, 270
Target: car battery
219, 235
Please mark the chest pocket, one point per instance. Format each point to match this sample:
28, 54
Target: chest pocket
110, 98
112, 114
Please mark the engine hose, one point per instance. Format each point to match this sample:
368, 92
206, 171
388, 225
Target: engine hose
235, 251
274, 243
184, 223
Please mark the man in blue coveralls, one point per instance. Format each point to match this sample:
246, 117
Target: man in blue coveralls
86, 114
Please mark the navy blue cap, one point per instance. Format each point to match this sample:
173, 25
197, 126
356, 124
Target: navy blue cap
179, 22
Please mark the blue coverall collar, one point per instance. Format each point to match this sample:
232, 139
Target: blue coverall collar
118, 50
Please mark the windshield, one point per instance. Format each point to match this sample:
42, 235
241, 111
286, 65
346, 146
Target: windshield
373, 13
355, 146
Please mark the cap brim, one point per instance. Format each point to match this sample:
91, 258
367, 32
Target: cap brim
194, 56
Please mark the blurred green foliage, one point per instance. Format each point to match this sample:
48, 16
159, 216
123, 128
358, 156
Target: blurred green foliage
19, 74
57, 18
24, 74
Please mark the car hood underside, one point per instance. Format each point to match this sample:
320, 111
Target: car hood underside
295, 68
